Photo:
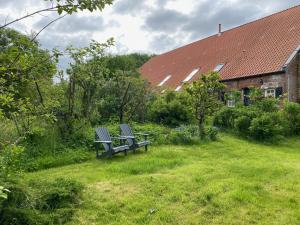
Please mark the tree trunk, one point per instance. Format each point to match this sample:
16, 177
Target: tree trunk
201, 129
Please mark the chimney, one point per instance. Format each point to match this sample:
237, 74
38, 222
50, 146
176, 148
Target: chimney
220, 30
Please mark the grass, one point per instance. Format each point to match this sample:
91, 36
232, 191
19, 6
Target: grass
231, 181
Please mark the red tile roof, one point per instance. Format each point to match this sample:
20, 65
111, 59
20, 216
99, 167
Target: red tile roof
259, 47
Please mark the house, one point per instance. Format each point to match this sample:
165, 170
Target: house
263, 53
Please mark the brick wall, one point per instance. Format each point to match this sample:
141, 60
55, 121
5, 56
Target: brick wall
277, 80
289, 81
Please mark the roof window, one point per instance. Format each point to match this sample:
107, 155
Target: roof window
178, 88
218, 67
164, 80
191, 75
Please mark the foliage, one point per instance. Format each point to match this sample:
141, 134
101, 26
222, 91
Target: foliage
47, 202
184, 135
10, 161
291, 112
172, 109
46, 161
72, 6
204, 93
124, 97
267, 105
211, 133
242, 124
3, 193
225, 117
265, 127
234, 95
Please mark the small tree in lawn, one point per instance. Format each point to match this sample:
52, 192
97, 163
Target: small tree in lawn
204, 93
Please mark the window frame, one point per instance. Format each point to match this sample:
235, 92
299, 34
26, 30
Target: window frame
168, 77
219, 67
272, 95
231, 103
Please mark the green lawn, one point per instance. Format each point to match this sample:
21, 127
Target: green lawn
230, 181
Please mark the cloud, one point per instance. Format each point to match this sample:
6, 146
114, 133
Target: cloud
75, 23
140, 25
57, 40
206, 17
165, 20
131, 7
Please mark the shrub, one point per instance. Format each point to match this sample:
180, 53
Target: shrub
265, 127
225, 117
267, 105
184, 135
291, 112
10, 160
8, 134
242, 124
171, 109
211, 133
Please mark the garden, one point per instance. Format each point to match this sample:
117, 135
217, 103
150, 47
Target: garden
206, 163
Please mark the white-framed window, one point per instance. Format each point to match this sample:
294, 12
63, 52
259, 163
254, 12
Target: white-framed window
231, 103
191, 75
218, 67
270, 93
164, 80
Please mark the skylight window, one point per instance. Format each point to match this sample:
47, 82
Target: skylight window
218, 67
164, 80
178, 88
191, 75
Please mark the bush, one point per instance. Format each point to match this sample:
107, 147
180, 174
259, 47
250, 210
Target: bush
10, 160
8, 134
291, 112
242, 124
265, 127
211, 133
171, 109
225, 117
41, 202
267, 105
184, 135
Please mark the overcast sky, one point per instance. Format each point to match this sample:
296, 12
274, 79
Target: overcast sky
151, 26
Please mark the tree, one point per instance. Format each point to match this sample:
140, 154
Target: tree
26, 71
204, 93
124, 97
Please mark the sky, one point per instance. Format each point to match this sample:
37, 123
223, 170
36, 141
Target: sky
145, 26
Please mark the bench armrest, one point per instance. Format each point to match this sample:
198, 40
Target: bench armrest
105, 142
145, 134
119, 138
125, 137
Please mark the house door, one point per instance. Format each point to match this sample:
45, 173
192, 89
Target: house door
246, 97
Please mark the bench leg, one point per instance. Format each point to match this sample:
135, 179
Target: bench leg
125, 152
146, 148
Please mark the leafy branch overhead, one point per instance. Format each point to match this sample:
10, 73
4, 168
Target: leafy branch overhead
67, 6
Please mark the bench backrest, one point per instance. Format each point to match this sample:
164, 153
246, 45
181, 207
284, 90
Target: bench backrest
126, 131
102, 134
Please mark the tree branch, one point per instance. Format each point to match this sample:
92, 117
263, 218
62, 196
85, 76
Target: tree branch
53, 8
